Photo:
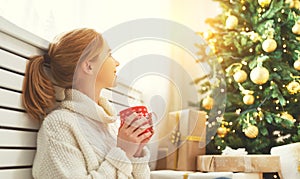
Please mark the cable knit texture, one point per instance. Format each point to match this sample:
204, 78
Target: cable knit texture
78, 140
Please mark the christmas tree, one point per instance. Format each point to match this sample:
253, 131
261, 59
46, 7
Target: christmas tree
257, 45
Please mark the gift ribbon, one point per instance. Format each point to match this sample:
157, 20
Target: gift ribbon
175, 137
192, 138
176, 152
186, 176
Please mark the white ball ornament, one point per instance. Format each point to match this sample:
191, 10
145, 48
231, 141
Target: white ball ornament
259, 75
269, 45
296, 28
297, 64
240, 76
231, 22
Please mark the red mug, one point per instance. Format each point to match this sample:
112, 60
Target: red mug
141, 111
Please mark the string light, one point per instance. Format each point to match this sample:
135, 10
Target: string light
244, 63
279, 20
259, 10
282, 11
238, 111
218, 147
283, 38
284, 45
260, 87
277, 108
220, 59
233, 131
230, 123
274, 69
284, 50
257, 97
251, 50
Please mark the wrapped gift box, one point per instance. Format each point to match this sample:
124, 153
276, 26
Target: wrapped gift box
161, 162
172, 174
289, 159
211, 175
169, 174
247, 176
186, 140
242, 163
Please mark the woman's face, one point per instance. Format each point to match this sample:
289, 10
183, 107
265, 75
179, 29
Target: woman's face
106, 76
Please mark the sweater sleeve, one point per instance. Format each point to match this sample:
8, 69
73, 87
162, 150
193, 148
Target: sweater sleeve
141, 169
60, 156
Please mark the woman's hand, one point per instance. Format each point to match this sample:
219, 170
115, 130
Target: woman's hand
139, 152
130, 134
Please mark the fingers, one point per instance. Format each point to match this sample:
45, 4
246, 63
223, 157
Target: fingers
145, 136
130, 119
141, 129
141, 121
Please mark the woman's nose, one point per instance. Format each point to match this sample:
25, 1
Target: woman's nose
117, 63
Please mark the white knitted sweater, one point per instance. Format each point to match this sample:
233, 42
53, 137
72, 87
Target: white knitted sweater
78, 140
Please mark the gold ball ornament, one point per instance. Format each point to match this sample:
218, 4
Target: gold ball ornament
293, 87
248, 99
251, 131
296, 28
269, 45
264, 3
293, 3
297, 64
207, 34
222, 131
240, 76
208, 103
259, 75
287, 116
231, 22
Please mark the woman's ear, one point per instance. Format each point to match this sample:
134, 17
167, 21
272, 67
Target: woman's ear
87, 67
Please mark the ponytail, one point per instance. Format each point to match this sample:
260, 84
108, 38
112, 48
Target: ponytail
63, 56
38, 91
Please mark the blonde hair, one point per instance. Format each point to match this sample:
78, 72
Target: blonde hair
64, 53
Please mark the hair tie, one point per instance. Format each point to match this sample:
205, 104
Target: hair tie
47, 58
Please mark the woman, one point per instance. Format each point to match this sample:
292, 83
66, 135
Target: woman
79, 138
